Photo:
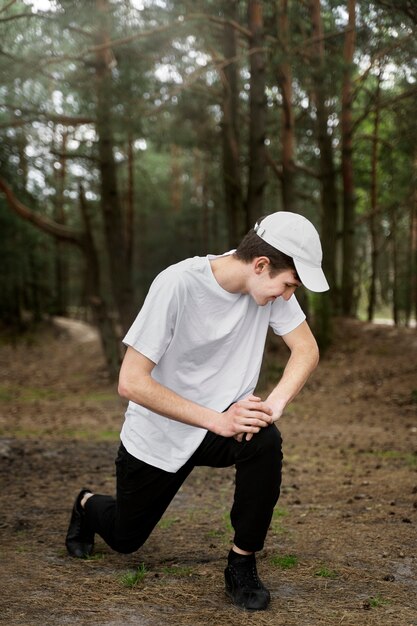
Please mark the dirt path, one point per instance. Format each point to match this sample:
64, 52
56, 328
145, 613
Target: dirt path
343, 544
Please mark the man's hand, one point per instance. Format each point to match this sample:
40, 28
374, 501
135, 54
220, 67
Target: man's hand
247, 416
276, 407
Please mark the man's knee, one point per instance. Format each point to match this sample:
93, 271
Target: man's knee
125, 546
269, 440
265, 446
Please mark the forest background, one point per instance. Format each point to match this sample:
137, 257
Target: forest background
135, 133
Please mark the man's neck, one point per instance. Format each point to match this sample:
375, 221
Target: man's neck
230, 273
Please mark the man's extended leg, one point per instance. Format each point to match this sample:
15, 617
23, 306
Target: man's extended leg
125, 522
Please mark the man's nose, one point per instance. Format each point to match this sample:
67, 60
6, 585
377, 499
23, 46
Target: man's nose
287, 294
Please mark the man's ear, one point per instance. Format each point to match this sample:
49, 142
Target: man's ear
261, 263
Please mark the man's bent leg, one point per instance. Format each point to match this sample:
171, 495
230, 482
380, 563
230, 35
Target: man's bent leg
143, 494
258, 480
258, 483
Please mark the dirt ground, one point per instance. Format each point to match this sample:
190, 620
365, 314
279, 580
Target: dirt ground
342, 547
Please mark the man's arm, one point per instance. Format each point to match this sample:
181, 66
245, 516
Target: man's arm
302, 362
136, 384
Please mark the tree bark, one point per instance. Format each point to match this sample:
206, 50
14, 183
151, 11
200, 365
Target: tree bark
120, 270
374, 206
324, 140
230, 131
288, 126
176, 182
413, 250
61, 266
348, 245
257, 115
130, 204
102, 317
327, 302
394, 247
59, 231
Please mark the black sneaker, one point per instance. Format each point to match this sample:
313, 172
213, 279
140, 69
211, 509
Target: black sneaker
243, 585
80, 539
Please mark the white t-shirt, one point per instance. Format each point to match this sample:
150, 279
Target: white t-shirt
207, 344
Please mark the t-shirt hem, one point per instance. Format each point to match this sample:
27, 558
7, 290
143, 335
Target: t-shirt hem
158, 463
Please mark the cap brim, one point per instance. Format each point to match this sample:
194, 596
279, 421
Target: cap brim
312, 277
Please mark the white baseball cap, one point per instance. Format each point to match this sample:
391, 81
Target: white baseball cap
295, 236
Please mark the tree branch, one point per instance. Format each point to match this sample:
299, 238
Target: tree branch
7, 6
43, 223
66, 120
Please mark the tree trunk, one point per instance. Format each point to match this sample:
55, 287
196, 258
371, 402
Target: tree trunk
230, 131
257, 115
102, 317
395, 303
327, 301
130, 201
176, 182
120, 270
374, 206
288, 127
324, 140
61, 266
348, 245
413, 251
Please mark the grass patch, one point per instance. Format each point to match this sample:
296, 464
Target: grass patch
286, 561
227, 521
325, 572
215, 534
277, 517
131, 579
167, 522
378, 600
178, 571
409, 458
7, 394
98, 396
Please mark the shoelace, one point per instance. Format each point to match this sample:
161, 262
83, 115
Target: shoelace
247, 577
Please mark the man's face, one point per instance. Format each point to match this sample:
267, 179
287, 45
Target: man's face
265, 288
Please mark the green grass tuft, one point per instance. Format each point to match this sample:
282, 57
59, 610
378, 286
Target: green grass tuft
131, 579
378, 600
167, 522
325, 572
286, 561
178, 571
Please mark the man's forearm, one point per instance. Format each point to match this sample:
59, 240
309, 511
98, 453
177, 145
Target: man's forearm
297, 371
159, 399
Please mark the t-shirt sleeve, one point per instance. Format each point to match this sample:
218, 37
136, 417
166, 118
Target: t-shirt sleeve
286, 315
153, 328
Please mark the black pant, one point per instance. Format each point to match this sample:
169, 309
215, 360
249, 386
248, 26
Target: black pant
144, 492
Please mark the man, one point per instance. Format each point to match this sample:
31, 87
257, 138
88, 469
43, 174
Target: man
190, 371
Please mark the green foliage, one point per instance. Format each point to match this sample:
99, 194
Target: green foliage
165, 94
325, 572
132, 579
378, 600
178, 571
167, 522
287, 561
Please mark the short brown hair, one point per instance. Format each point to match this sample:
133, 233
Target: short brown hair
253, 246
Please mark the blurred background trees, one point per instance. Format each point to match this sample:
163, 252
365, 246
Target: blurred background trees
135, 133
